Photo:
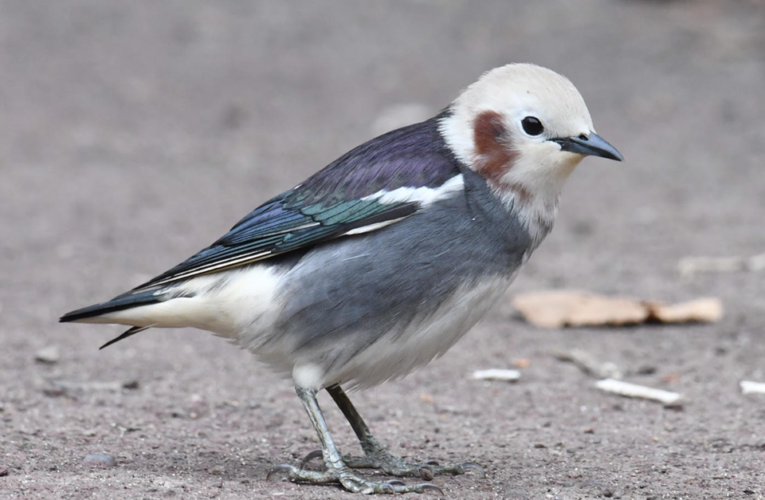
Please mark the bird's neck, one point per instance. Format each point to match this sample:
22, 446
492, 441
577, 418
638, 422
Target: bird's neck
536, 211
531, 190
527, 183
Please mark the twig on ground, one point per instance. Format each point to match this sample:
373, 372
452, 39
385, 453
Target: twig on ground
589, 365
626, 389
497, 374
749, 387
688, 266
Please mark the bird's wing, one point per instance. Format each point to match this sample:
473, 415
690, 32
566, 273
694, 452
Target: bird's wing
374, 185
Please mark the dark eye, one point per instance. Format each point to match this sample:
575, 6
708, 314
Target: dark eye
532, 125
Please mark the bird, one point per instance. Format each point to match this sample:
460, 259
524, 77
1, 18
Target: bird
381, 261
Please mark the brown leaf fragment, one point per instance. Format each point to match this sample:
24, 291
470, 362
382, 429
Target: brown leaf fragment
556, 309
559, 308
706, 310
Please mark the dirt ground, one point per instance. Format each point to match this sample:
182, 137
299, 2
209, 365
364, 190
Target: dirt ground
134, 133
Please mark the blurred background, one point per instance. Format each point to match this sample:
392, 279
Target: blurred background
132, 134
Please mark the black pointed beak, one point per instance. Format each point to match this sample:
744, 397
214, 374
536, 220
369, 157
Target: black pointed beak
592, 145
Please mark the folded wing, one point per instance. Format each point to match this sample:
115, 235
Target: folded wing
372, 186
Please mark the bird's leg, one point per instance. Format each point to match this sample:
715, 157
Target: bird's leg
376, 457
369, 444
337, 471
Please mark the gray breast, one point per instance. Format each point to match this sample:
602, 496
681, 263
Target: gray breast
344, 296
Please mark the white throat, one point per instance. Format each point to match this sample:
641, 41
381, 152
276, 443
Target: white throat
530, 187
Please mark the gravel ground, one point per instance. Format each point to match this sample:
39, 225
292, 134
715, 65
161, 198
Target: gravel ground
134, 133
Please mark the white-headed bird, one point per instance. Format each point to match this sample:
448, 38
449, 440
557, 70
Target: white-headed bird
381, 261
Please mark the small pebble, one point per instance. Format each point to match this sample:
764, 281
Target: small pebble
426, 474
54, 392
130, 385
3, 472
218, 470
99, 460
427, 398
522, 363
48, 355
646, 370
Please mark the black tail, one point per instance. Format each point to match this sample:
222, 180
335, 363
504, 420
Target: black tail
119, 303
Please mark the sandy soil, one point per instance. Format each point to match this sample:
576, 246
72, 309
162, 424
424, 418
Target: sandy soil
134, 133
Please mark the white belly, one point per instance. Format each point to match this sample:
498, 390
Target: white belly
397, 354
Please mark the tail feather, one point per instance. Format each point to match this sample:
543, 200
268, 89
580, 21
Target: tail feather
132, 331
213, 303
119, 303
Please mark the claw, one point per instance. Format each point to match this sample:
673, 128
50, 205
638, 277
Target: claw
424, 487
280, 468
311, 456
474, 466
396, 482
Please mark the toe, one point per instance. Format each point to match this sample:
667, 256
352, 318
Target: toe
280, 468
396, 482
466, 466
311, 456
427, 487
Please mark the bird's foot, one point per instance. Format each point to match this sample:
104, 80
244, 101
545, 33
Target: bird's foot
396, 466
351, 481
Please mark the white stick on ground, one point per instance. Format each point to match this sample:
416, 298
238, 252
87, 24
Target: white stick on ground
749, 387
689, 266
497, 374
667, 398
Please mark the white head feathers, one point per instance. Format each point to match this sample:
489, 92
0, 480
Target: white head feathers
524, 128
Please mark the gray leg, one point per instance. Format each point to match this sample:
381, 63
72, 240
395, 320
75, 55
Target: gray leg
375, 456
337, 471
368, 442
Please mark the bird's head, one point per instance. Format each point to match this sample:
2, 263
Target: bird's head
524, 128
